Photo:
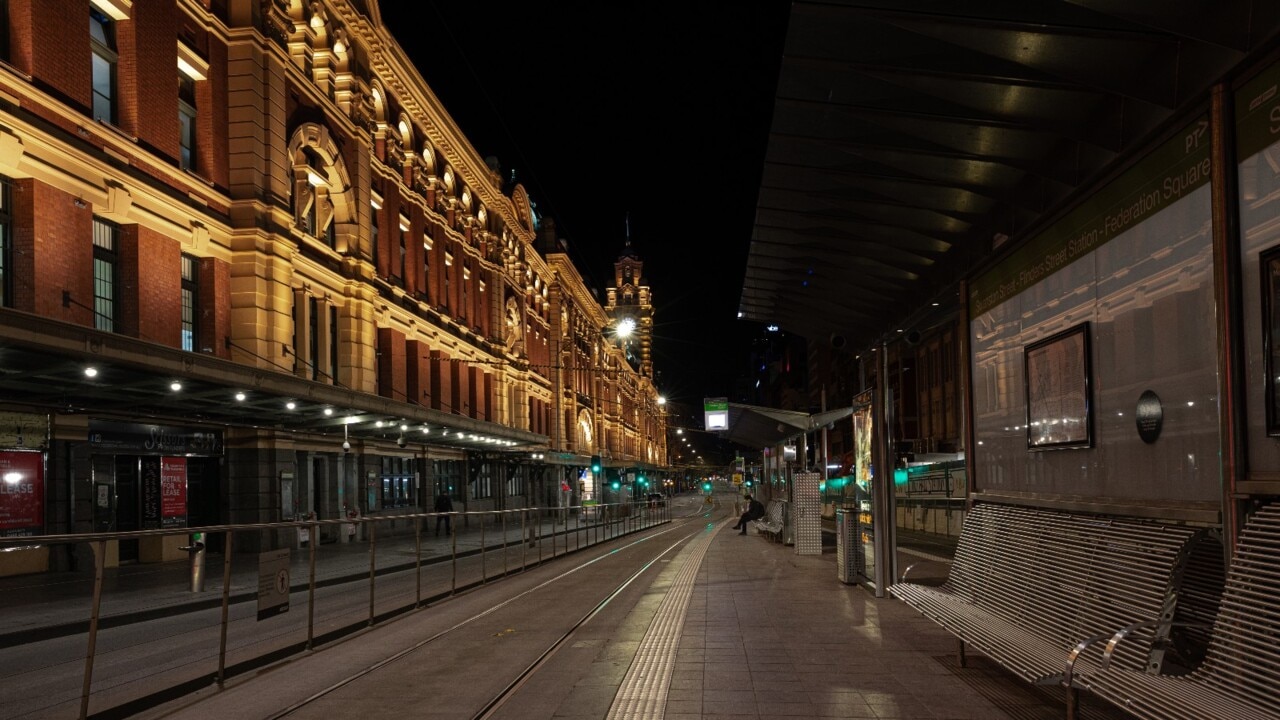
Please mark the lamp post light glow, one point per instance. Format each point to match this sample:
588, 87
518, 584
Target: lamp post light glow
626, 326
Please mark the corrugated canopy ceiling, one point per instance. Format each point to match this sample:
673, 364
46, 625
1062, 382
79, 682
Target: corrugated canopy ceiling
908, 134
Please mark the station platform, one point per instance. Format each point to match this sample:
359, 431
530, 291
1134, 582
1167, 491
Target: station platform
766, 633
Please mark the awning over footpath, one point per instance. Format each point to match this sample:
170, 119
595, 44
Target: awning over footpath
761, 427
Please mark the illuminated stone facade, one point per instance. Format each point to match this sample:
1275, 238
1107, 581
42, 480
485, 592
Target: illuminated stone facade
273, 184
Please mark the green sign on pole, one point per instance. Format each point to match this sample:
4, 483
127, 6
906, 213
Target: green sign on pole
716, 413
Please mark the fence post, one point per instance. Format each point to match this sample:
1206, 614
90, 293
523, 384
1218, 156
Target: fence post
226, 607
99, 562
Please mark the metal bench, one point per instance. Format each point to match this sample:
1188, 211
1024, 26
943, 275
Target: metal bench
1239, 677
1027, 585
773, 521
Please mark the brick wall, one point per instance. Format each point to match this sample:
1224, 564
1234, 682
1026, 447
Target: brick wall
391, 364
40, 33
150, 286
441, 381
215, 306
147, 75
418, 362
53, 252
462, 388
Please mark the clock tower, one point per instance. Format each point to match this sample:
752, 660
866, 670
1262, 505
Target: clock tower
630, 310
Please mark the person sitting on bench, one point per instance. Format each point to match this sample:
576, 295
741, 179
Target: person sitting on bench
754, 510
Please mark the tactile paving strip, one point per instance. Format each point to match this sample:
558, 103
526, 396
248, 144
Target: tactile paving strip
643, 693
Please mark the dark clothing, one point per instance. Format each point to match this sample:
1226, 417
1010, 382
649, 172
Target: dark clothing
754, 511
444, 504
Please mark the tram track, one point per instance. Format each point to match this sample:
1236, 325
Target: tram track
545, 593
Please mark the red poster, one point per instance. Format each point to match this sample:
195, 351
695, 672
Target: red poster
21, 493
173, 491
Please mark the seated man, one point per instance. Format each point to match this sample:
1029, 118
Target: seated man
754, 510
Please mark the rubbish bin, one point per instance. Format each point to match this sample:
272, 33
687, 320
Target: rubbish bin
846, 545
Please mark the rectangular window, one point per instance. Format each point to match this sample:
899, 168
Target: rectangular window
375, 204
333, 344
6, 248
297, 329
186, 122
516, 483
448, 272
192, 69
313, 344
404, 251
398, 482
105, 261
102, 42
426, 266
309, 222
462, 290
1270, 273
446, 478
483, 486
4, 30
190, 303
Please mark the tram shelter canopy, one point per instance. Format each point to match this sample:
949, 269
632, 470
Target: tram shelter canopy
914, 140
761, 427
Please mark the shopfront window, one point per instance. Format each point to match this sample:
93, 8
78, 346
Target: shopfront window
446, 478
398, 482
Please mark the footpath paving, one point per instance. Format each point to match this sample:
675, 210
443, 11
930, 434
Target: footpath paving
768, 633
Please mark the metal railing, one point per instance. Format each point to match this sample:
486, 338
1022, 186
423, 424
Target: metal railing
193, 637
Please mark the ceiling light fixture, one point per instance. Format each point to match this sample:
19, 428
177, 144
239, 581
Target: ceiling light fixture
175, 386
91, 372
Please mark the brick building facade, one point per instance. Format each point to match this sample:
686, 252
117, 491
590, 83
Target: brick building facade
265, 201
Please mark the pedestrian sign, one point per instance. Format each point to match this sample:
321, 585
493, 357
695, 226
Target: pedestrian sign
273, 583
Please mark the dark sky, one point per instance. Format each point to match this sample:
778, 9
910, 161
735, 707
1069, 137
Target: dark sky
658, 112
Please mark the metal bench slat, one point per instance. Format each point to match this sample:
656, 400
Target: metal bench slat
1026, 585
1241, 671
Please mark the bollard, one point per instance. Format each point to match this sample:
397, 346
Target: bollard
196, 552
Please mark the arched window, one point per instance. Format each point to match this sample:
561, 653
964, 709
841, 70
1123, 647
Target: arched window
585, 432
312, 209
322, 194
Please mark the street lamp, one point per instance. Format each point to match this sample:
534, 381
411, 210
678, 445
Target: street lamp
626, 326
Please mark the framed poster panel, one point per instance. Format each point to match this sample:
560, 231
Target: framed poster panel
1270, 272
1058, 373
21, 493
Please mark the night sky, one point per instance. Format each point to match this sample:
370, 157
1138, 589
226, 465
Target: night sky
653, 116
